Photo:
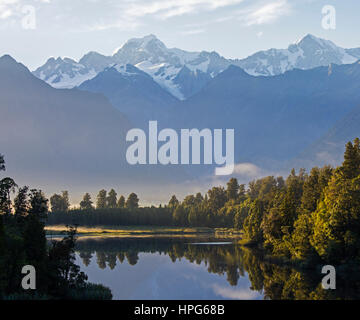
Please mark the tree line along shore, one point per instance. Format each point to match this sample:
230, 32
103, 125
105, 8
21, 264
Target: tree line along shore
307, 217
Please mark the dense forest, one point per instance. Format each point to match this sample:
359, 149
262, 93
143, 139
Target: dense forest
306, 217
23, 242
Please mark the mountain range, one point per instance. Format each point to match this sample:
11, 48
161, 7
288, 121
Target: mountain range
299, 117
184, 73
275, 118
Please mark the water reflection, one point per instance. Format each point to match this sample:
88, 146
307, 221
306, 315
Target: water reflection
165, 268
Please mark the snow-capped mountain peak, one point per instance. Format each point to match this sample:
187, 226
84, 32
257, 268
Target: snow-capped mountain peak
313, 39
180, 72
184, 73
164, 65
64, 73
307, 53
145, 42
128, 70
325, 48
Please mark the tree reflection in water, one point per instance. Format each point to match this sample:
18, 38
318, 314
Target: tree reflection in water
275, 281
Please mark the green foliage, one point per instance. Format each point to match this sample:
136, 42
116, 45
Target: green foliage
86, 203
173, 203
351, 165
313, 188
20, 202
132, 201
241, 213
337, 218
60, 203
116, 216
303, 231
232, 189
121, 202
112, 199
101, 199
2, 163
91, 291
7, 186
252, 224
180, 216
23, 242
216, 199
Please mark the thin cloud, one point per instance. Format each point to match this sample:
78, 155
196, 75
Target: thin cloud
121, 25
238, 294
6, 8
192, 32
265, 14
247, 169
165, 9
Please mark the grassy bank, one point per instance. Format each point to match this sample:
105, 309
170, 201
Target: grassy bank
128, 231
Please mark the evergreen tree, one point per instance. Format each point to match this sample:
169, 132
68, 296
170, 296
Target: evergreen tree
174, 202
351, 165
112, 199
132, 201
252, 224
121, 202
216, 199
180, 216
56, 203
314, 185
21, 205
86, 203
241, 214
336, 222
189, 201
66, 201
301, 247
242, 193
232, 189
199, 198
60, 203
101, 199
2, 163
193, 217
7, 186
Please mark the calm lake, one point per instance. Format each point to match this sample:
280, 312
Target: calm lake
194, 268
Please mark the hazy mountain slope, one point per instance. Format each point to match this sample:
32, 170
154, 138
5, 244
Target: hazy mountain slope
54, 130
329, 149
274, 117
133, 92
55, 138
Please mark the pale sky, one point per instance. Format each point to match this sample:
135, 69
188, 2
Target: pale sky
233, 28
